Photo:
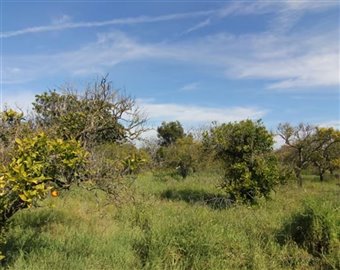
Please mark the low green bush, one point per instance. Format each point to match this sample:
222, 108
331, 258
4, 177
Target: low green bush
315, 228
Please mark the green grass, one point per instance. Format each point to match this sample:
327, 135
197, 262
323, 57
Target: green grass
163, 223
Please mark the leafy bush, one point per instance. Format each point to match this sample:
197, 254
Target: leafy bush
38, 165
246, 182
112, 163
182, 156
316, 228
123, 158
246, 150
12, 125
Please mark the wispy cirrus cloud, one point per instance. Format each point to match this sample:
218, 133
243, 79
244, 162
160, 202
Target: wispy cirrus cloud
63, 25
63, 19
296, 61
288, 12
96, 57
284, 60
198, 26
190, 87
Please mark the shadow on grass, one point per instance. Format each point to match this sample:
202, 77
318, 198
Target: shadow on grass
214, 201
23, 234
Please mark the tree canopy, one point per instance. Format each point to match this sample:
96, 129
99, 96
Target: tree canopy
99, 114
245, 147
310, 145
170, 132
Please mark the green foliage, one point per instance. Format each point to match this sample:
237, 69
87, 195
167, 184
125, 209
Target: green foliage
12, 125
11, 117
170, 132
183, 156
135, 162
300, 143
38, 164
327, 155
308, 145
245, 147
315, 228
285, 158
100, 115
111, 163
247, 181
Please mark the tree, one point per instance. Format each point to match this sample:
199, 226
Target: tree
13, 125
299, 139
328, 153
100, 114
285, 156
170, 132
246, 150
183, 155
309, 145
11, 120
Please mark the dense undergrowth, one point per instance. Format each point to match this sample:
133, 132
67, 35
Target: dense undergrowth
171, 224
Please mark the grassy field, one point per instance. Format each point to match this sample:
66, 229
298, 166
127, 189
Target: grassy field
163, 223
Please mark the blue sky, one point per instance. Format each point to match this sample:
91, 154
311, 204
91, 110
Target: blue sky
192, 61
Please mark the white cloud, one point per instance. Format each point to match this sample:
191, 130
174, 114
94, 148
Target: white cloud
291, 11
198, 26
63, 19
149, 135
304, 59
278, 141
295, 61
305, 70
198, 114
290, 62
63, 25
334, 124
288, 11
21, 100
190, 87
94, 58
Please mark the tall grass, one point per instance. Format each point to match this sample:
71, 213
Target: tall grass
169, 224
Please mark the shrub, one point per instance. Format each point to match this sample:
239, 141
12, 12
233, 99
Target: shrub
182, 156
246, 150
111, 164
38, 164
316, 228
13, 125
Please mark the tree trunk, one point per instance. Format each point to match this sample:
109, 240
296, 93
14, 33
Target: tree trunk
321, 177
298, 176
321, 173
298, 169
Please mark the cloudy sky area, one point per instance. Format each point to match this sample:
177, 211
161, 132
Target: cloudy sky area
195, 62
